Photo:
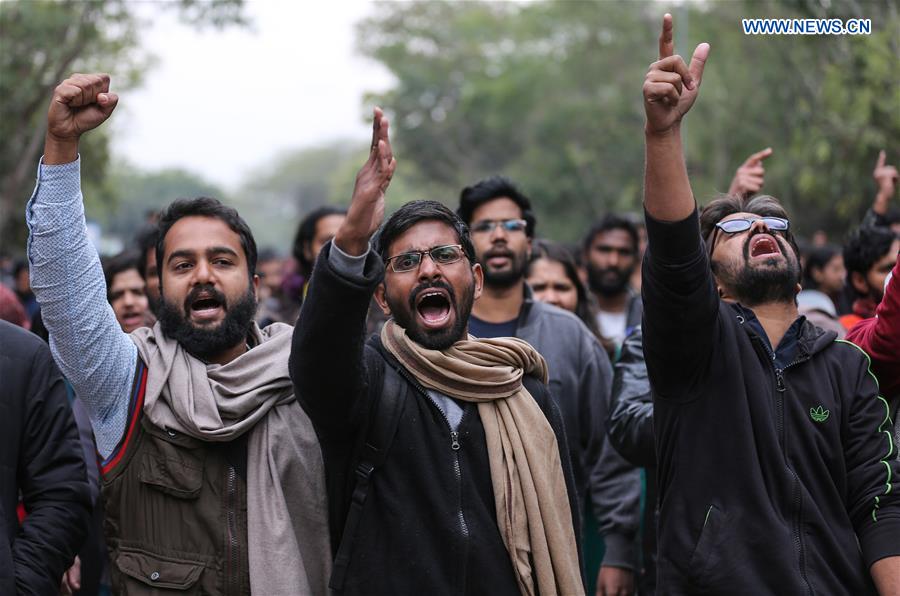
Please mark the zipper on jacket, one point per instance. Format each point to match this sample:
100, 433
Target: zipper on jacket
232, 567
454, 447
796, 499
796, 496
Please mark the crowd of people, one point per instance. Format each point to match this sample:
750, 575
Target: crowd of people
691, 401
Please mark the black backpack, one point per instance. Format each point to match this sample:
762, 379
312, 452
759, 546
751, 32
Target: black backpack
374, 451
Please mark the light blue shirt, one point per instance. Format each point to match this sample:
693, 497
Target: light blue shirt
89, 346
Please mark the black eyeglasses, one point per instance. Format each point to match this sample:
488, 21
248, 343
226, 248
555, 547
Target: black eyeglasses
486, 226
735, 226
441, 255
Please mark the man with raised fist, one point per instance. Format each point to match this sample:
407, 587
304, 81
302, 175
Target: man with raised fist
212, 473
777, 472
446, 458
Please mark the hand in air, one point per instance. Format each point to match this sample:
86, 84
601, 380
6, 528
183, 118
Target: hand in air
80, 103
366, 210
885, 176
749, 178
671, 86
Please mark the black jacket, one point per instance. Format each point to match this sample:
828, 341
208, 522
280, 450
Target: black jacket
630, 423
429, 523
767, 477
630, 427
40, 456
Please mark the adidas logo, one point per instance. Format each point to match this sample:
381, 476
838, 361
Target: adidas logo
819, 414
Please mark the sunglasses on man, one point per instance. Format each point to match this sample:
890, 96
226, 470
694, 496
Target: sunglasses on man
742, 224
736, 226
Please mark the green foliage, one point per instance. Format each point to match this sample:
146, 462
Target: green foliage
549, 93
41, 43
139, 195
274, 199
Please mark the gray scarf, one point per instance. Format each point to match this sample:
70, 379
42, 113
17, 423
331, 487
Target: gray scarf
287, 507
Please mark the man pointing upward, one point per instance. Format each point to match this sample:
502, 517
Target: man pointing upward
777, 472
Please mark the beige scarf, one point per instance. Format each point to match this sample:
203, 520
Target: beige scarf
529, 488
287, 507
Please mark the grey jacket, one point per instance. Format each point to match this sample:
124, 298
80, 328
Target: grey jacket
580, 381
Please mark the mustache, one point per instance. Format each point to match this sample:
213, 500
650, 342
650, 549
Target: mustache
427, 285
498, 252
208, 289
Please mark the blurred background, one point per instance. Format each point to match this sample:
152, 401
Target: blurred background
265, 104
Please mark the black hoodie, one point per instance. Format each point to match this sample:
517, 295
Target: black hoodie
771, 480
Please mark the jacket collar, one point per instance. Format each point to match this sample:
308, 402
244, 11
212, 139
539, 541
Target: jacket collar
809, 338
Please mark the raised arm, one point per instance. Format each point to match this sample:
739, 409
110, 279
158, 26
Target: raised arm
93, 352
679, 295
327, 363
886, 178
750, 176
670, 89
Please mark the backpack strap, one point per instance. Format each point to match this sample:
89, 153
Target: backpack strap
374, 451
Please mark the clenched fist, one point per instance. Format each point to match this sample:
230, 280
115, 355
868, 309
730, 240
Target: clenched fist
671, 87
80, 103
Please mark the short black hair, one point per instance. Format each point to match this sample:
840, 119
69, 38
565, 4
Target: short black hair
18, 266
124, 261
306, 232
609, 222
864, 246
817, 258
205, 207
146, 240
417, 211
492, 188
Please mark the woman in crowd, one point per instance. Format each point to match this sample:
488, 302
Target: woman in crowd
553, 276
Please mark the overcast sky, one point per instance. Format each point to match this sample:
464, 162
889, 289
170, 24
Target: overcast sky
223, 103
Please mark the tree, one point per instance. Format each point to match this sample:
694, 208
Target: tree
42, 42
274, 199
142, 194
548, 93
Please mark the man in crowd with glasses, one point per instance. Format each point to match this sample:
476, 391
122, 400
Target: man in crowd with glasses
777, 471
502, 225
445, 455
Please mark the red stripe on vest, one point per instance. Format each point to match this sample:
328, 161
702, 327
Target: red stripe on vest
138, 406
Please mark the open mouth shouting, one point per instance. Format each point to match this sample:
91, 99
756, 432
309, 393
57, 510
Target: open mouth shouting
205, 305
763, 246
434, 307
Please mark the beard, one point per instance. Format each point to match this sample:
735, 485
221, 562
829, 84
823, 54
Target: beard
154, 305
404, 314
771, 281
205, 343
504, 278
609, 281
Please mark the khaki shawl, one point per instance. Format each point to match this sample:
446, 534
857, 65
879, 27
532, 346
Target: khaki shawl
529, 487
287, 508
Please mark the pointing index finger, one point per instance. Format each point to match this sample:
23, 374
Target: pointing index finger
882, 157
666, 43
759, 156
